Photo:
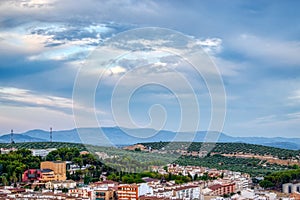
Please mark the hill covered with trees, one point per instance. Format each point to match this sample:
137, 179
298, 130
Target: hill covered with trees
43, 145
161, 154
225, 148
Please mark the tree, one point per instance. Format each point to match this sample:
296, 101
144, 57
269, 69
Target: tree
222, 175
4, 181
166, 168
13, 178
266, 184
78, 161
65, 190
137, 149
86, 180
24, 152
36, 188
190, 176
295, 166
195, 177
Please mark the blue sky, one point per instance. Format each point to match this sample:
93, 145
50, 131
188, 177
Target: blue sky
255, 45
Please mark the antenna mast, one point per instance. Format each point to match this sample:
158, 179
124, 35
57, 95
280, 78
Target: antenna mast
12, 136
50, 134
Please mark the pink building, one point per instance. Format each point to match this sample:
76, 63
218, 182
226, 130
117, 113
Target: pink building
32, 175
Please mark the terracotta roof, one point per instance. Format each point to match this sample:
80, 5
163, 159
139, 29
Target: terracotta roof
153, 198
105, 182
215, 187
147, 179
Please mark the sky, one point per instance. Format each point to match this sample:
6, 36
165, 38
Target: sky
45, 44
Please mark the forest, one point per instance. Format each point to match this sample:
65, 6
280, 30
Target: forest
276, 179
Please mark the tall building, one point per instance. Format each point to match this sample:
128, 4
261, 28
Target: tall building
54, 170
128, 192
221, 189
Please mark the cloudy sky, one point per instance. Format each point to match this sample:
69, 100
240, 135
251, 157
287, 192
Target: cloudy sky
254, 44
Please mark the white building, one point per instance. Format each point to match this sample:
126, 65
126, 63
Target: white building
290, 188
145, 189
60, 184
187, 192
41, 152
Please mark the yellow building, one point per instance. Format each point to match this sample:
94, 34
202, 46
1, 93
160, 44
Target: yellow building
53, 171
104, 194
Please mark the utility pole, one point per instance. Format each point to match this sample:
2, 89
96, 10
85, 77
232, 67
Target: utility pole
50, 134
12, 136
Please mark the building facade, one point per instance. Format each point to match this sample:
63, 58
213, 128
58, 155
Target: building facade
32, 175
54, 170
127, 192
221, 189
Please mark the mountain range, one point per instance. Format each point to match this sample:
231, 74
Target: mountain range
120, 137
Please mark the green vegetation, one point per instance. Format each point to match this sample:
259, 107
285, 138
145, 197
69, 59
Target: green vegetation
254, 167
126, 177
278, 178
90, 174
255, 149
266, 184
72, 154
226, 148
13, 164
251, 166
132, 161
128, 166
43, 145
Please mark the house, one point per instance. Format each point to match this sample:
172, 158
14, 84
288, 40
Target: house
221, 189
32, 175
69, 184
187, 192
127, 192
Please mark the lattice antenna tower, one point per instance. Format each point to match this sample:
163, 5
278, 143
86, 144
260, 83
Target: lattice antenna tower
12, 136
50, 134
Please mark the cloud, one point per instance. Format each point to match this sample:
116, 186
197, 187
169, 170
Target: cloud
227, 67
210, 45
274, 125
22, 118
294, 98
53, 41
295, 115
13, 42
255, 47
33, 4
117, 70
23, 97
25, 8
275, 52
81, 11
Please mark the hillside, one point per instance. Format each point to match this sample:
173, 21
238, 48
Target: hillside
119, 137
226, 148
142, 160
43, 145
20, 138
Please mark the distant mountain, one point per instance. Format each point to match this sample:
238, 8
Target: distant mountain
118, 136
283, 145
58, 136
20, 138
279, 142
